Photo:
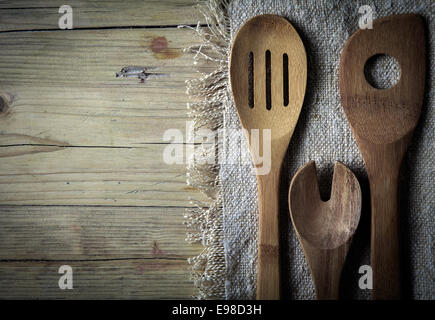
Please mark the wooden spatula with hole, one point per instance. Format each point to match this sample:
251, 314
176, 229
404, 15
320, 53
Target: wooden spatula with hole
382, 122
325, 228
268, 77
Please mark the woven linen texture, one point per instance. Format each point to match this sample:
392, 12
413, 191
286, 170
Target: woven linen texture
323, 135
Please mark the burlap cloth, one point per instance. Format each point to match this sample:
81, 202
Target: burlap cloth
323, 134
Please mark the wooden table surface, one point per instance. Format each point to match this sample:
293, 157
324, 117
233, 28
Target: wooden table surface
82, 178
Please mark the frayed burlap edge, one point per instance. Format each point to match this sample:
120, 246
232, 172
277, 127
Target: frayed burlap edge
204, 220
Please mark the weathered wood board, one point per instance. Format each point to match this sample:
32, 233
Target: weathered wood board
61, 86
76, 233
114, 252
107, 279
82, 177
44, 14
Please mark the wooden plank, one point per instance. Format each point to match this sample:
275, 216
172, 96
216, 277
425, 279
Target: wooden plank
44, 14
73, 134
114, 252
112, 279
62, 92
61, 87
93, 233
92, 176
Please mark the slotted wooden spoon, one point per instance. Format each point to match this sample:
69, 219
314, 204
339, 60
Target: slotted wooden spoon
382, 122
325, 229
268, 77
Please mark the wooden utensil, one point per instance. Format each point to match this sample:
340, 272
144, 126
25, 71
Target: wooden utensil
268, 77
324, 229
382, 122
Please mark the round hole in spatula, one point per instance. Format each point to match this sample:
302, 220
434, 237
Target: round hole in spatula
382, 71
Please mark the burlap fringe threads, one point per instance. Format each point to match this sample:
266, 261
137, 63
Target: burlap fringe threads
210, 92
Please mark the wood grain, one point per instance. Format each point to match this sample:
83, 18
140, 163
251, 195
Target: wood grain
382, 122
93, 176
108, 279
76, 233
274, 34
43, 14
62, 87
115, 253
77, 135
84, 149
325, 228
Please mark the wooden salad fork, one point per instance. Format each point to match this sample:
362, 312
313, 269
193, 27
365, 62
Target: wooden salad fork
268, 72
325, 228
382, 122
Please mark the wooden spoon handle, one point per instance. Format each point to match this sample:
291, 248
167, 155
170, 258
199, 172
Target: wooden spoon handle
383, 164
385, 259
325, 267
268, 268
